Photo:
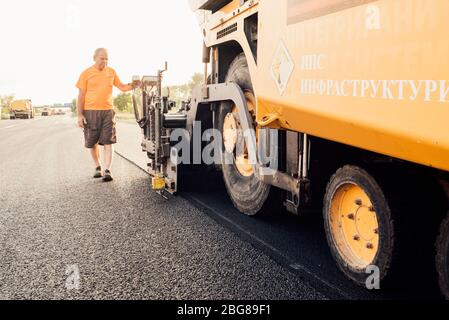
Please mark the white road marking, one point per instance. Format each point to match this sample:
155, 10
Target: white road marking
8, 127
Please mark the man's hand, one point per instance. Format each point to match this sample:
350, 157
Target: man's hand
80, 108
137, 84
82, 121
130, 86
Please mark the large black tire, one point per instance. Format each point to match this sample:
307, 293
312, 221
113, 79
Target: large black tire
408, 206
442, 258
249, 195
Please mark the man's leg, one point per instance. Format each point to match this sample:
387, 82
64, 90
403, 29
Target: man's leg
108, 138
95, 153
108, 156
92, 137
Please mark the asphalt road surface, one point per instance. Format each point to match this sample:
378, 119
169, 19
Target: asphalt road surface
125, 241
64, 235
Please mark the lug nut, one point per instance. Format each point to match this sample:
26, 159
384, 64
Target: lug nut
358, 202
370, 246
376, 231
351, 216
356, 238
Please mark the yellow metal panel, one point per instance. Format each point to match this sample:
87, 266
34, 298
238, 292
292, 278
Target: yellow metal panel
21, 105
374, 75
158, 183
230, 7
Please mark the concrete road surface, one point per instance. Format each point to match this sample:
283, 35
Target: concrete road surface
64, 235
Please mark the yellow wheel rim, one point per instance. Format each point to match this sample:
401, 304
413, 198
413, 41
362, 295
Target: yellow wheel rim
354, 226
232, 133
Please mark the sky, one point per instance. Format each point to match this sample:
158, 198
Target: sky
46, 44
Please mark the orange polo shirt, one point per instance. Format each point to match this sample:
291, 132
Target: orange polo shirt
98, 86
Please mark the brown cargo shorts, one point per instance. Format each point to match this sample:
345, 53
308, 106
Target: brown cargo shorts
100, 128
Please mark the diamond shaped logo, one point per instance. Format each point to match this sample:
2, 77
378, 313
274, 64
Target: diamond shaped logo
282, 67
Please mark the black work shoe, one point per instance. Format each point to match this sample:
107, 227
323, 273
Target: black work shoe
107, 176
98, 173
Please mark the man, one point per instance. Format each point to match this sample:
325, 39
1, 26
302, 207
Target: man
95, 111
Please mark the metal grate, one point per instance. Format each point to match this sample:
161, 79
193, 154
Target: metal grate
227, 31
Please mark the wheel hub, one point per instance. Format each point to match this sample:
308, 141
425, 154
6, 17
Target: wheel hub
355, 227
234, 140
230, 132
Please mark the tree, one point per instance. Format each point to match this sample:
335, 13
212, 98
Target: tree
123, 102
183, 92
6, 100
5, 103
196, 79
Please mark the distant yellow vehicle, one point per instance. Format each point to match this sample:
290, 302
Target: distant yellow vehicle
22, 109
356, 95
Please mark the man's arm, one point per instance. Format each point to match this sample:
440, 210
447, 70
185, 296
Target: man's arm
122, 87
80, 108
126, 87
